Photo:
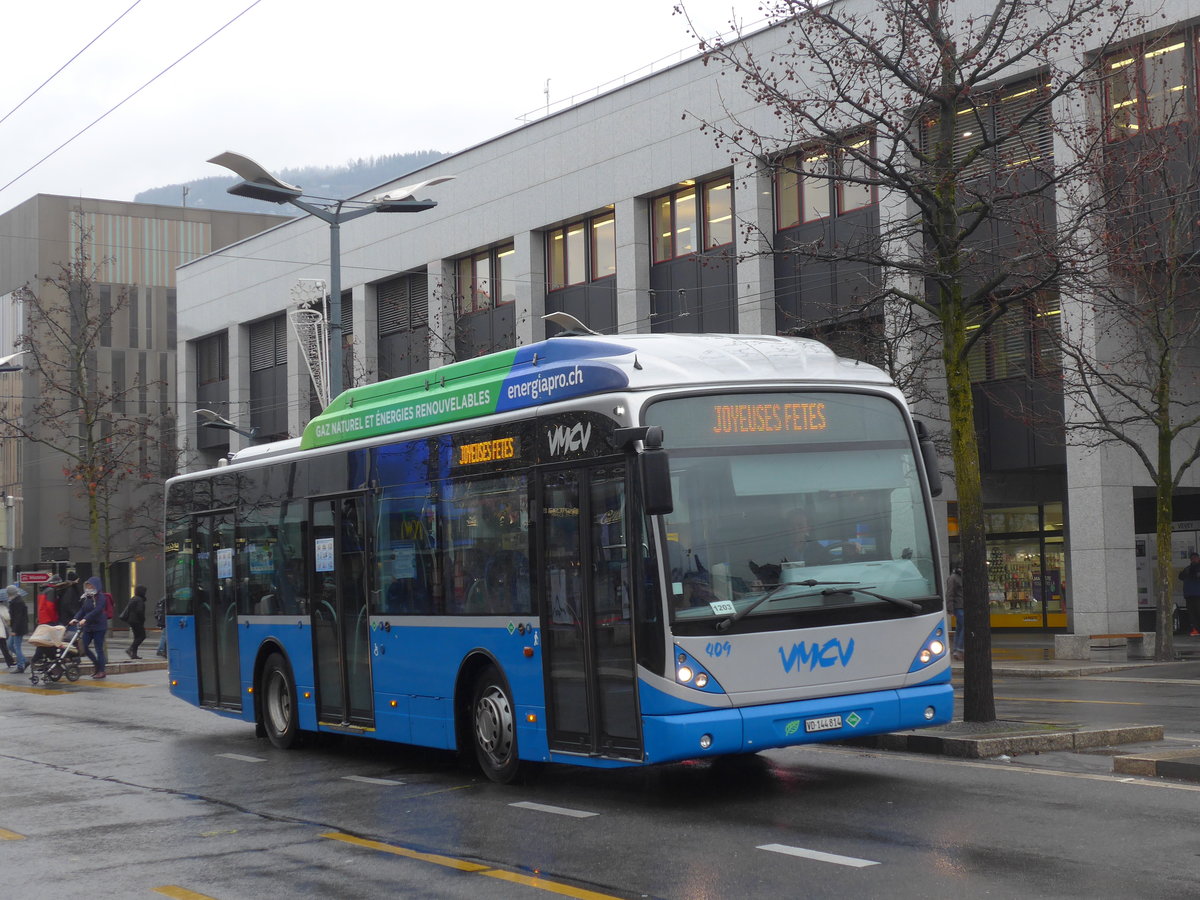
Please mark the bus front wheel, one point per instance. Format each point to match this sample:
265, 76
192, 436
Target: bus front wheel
494, 727
279, 703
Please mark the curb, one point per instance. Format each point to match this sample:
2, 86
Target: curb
1013, 739
1180, 763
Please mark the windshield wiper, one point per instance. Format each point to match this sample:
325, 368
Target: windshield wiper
912, 607
726, 624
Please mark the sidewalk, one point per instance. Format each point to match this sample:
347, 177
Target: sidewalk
1019, 655
118, 662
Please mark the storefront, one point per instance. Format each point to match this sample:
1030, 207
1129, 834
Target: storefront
1026, 562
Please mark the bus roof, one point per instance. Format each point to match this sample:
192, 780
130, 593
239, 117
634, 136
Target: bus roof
574, 366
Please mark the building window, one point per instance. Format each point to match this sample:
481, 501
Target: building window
808, 187
676, 219
1022, 342
481, 280
582, 251
1146, 86
268, 344
402, 304
212, 359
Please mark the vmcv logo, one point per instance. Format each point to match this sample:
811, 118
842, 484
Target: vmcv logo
564, 439
824, 655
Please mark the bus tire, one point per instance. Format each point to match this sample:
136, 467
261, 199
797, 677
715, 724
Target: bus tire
280, 715
494, 728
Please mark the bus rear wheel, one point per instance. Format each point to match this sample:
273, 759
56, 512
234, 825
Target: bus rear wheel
494, 726
279, 713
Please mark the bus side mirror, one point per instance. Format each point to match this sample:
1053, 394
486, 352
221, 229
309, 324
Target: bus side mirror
929, 456
653, 467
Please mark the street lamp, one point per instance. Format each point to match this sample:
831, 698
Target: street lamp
259, 184
216, 420
7, 364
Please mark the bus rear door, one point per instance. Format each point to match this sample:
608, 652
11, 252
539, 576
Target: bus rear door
586, 613
341, 628
215, 605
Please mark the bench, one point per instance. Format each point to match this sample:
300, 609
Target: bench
1118, 647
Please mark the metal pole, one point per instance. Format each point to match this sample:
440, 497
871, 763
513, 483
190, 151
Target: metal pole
10, 506
335, 304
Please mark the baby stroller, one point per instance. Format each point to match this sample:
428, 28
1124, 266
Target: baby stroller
56, 657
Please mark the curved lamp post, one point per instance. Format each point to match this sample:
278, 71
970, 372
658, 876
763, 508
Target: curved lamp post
216, 420
259, 184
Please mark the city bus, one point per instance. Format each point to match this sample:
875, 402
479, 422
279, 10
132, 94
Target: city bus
594, 550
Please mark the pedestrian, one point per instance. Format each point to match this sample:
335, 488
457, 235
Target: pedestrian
18, 615
134, 615
5, 631
160, 619
69, 594
954, 599
47, 603
1190, 577
93, 620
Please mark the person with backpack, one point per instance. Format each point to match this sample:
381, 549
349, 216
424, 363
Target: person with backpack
134, 615
92, 618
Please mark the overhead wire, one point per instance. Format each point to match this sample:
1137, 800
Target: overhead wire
79, 53
127, 98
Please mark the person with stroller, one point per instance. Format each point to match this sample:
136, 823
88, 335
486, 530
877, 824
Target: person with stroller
134, 614
18, 616
47, 614
92, 619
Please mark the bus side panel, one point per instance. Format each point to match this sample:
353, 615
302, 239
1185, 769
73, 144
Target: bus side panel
183, 675
295, 637
410, 665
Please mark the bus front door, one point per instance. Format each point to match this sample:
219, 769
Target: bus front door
341, 629
215, 606
586, 613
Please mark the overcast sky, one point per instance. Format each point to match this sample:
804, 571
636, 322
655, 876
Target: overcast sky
301, 82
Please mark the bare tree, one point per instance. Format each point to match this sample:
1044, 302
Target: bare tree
113, 457
1133, 373
944, 110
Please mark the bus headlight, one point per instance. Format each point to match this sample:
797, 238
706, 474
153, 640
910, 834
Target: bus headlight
702, 679
936, 647
683, 674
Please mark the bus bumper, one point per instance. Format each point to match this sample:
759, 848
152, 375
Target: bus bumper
753, 728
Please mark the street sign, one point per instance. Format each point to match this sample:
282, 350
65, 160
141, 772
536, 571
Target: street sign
35, 577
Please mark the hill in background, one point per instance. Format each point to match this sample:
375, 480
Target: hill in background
337, 182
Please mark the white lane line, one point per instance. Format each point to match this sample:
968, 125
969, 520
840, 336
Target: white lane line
241, 758
557, 810
366, 779
819, 856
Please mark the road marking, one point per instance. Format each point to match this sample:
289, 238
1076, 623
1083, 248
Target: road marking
30, 689
180, 893
851, 861
1022, 770
1050, 700
6, 835
365, 779
240, 758
462, 865
557, 810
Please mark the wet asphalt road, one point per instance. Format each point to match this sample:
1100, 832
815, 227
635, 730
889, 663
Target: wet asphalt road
117, 790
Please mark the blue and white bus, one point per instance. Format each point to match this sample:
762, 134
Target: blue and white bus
603, 551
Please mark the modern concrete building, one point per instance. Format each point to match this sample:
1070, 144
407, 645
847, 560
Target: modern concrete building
136, 249
623, 212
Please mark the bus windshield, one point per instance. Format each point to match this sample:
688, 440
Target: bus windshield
794, 503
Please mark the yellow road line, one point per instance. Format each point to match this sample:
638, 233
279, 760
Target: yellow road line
30, 689
1049, 700
6, 835
543, 885
463, 865
179, 893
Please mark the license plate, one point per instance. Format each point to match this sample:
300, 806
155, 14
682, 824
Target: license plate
825, 723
